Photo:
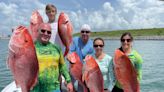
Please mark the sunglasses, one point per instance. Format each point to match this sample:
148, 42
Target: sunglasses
98, 46
85, 31
123, 40
43, 31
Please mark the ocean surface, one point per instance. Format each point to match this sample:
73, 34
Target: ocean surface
152, 52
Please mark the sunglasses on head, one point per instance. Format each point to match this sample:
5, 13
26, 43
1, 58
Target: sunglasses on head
123, 40
43, 31
85, 31
98, 46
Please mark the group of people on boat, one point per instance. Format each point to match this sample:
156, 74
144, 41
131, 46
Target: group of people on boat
53, 64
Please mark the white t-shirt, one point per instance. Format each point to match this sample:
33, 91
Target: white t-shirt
55, 38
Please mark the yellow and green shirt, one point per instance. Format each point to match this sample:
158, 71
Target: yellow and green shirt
51, 64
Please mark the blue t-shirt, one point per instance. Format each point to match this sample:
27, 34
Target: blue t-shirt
82, 49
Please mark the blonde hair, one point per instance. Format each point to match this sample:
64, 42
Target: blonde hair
50, 6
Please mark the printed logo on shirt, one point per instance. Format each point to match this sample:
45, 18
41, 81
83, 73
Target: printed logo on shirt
45, 52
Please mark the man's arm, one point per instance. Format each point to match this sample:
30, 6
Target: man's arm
64, 71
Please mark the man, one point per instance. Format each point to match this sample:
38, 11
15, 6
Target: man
51, 63
82, 46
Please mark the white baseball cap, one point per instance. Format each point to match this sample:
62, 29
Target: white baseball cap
85, 27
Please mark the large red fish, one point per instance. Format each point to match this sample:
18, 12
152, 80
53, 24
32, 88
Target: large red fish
76, 69
65, 30
22, 59
92, 75
35, 21
125, 72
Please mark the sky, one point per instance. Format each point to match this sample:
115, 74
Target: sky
101, 15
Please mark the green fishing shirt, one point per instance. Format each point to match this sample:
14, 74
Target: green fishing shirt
51, 64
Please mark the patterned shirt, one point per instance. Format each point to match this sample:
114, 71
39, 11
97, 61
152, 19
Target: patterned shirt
51, 64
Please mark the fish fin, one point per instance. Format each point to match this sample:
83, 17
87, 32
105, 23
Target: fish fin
16, 83
85, 76
35, 82
66, 51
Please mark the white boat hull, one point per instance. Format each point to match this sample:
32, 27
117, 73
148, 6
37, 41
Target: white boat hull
11, 88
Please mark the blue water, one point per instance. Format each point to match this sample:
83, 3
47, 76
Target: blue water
5, 74
152, 52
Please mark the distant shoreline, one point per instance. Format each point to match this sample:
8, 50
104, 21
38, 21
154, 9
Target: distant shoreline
136, 38
116, 38
4, 38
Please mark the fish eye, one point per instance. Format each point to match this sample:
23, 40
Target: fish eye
26, 41
31, 23
66, 22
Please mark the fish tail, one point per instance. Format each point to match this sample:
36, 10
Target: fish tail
66, 51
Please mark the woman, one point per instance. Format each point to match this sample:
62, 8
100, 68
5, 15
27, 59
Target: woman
105, 63
51, 63
126, 47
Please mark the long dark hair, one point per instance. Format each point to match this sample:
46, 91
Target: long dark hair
126, 33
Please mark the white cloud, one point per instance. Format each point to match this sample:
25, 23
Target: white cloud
107, 7
7, 9
131, 14
126, 14
142, 13
106, 19
14, 14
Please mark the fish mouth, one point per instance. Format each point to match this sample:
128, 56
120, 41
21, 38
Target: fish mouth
72, 62
11, 49
18, 48
65, 22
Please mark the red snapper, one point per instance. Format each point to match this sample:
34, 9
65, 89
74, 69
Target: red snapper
92, 75
22, 59
35, 21
76, 68
125, 72
65, 30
